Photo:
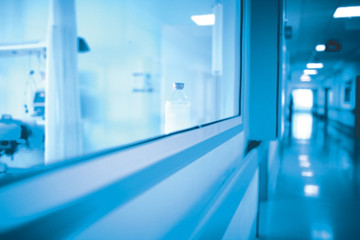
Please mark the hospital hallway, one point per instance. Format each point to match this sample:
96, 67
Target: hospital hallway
317, 191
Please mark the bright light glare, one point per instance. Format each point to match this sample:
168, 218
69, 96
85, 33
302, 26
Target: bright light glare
342, 12
320, 47
305, 164
302, 126
315, 65
305, 78
303, 99
307, 174
204, 20
311, 190
310, 71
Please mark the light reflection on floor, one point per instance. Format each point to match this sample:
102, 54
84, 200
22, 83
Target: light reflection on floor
302, 126
317, 193
307, 174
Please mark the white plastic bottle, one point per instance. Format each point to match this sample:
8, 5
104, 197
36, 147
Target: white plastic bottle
177, 110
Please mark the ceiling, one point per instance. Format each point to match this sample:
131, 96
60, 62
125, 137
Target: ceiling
312, 23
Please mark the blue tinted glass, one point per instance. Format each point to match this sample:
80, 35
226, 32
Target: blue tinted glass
113, 73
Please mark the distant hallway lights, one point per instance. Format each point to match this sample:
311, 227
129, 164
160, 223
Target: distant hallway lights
314, 65
310, 72
320, 47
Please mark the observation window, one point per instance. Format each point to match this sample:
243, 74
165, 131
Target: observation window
144, 69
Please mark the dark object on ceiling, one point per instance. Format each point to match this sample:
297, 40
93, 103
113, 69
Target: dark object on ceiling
83, 47
333, 46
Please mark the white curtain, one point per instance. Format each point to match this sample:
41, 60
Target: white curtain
62, 117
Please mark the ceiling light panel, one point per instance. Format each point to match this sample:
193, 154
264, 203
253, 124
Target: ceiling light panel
315, 65
344, 12
204, 20
305, 78
320, 47
310, 71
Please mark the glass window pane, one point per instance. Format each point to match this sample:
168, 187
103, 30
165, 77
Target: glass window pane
142, 69
139, 49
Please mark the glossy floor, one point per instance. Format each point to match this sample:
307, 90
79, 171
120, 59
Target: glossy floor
317, 192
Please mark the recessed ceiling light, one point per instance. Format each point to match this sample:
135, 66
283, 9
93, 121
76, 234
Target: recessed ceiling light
204, 20
315, 65
305, 78
320, 47
351, 11
310, 71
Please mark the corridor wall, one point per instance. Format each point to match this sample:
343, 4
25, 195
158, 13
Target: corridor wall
340, 94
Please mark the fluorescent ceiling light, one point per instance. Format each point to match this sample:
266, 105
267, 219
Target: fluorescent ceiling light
320, 47
343, 12
305, 78
315, 65
310, 71
204, 20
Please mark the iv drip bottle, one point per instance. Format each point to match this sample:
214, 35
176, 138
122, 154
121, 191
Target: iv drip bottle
177, 110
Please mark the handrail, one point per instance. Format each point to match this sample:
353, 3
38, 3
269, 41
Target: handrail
339, 109
224, 205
